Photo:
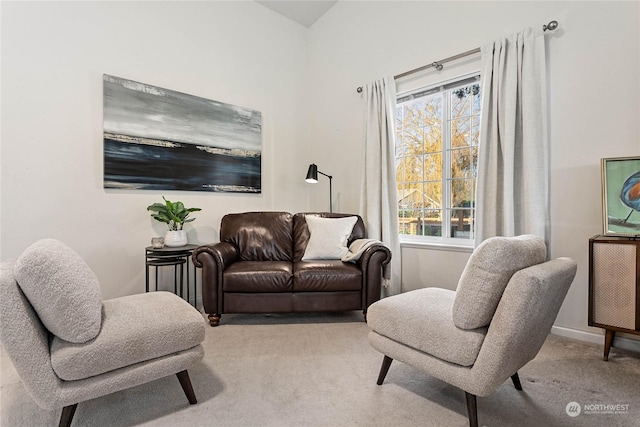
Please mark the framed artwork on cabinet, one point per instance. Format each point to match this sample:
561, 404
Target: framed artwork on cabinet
621, 196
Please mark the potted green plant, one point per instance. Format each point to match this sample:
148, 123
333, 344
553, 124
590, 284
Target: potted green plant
175, 215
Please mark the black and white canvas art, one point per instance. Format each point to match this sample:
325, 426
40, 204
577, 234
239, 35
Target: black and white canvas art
160, 139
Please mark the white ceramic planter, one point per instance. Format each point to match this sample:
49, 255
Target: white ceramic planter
175, 238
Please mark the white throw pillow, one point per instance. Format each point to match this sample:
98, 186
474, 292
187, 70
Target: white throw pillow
329, 237
62, 289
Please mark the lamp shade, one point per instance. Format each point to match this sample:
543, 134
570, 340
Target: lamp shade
312, 178
312, 174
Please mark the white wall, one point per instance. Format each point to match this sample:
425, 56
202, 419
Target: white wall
53, 58
594, 83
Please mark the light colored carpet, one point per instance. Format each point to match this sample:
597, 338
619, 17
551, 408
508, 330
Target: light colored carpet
319, 370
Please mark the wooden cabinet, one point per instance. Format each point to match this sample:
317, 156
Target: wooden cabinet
614, 286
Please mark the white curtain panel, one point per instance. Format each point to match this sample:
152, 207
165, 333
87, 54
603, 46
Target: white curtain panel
513, 160
378, 195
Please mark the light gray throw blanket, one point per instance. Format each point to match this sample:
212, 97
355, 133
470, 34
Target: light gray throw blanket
357, 248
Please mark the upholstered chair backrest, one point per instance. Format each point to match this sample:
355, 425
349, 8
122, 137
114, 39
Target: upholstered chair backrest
487, 273
301, 231
48, 290
523, 319
26, 340
259, 236
62, 289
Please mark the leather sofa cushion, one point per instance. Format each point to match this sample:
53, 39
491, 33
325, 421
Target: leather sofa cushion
259, 236
301, 232
259, 276
422, 320
326, 276
135, 328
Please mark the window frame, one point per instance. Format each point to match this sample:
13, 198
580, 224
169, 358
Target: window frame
445, 85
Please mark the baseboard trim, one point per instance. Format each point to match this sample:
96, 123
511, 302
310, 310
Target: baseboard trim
618, 342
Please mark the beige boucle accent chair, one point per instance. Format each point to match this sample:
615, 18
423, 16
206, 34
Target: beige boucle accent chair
108, 345
478, 336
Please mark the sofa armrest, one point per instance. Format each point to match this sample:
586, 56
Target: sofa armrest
371, 263
214, 259
223, 254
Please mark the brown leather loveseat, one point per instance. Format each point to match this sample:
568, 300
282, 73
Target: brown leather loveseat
257, 268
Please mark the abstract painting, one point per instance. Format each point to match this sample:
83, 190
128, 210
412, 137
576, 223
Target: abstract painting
621, 196
160, 139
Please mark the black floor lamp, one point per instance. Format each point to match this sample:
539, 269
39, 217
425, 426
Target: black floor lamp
312, 178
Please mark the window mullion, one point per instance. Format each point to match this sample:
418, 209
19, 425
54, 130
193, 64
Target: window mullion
446, 164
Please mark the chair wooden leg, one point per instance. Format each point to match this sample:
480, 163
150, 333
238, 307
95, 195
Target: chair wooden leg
185, 382
472, 409
516, 381
67, 415
386, 363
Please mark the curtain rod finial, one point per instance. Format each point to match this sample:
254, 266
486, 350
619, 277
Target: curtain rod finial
550, 26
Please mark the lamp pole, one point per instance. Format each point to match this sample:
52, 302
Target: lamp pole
330, 191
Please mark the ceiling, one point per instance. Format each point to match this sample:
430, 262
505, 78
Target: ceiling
301, 11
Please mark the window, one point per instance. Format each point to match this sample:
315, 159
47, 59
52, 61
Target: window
437, 137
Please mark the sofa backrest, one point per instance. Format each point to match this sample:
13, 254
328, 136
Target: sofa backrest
301, 231
259, 236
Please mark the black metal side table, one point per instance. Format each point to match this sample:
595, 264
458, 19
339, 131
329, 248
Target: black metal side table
176, 257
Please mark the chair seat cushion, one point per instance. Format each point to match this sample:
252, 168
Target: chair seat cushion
258, 276
422, 320
135, 329
326, 276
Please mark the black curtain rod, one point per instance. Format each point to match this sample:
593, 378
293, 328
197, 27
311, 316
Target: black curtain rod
438, 64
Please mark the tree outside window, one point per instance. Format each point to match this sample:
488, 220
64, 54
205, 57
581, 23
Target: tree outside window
437, 137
